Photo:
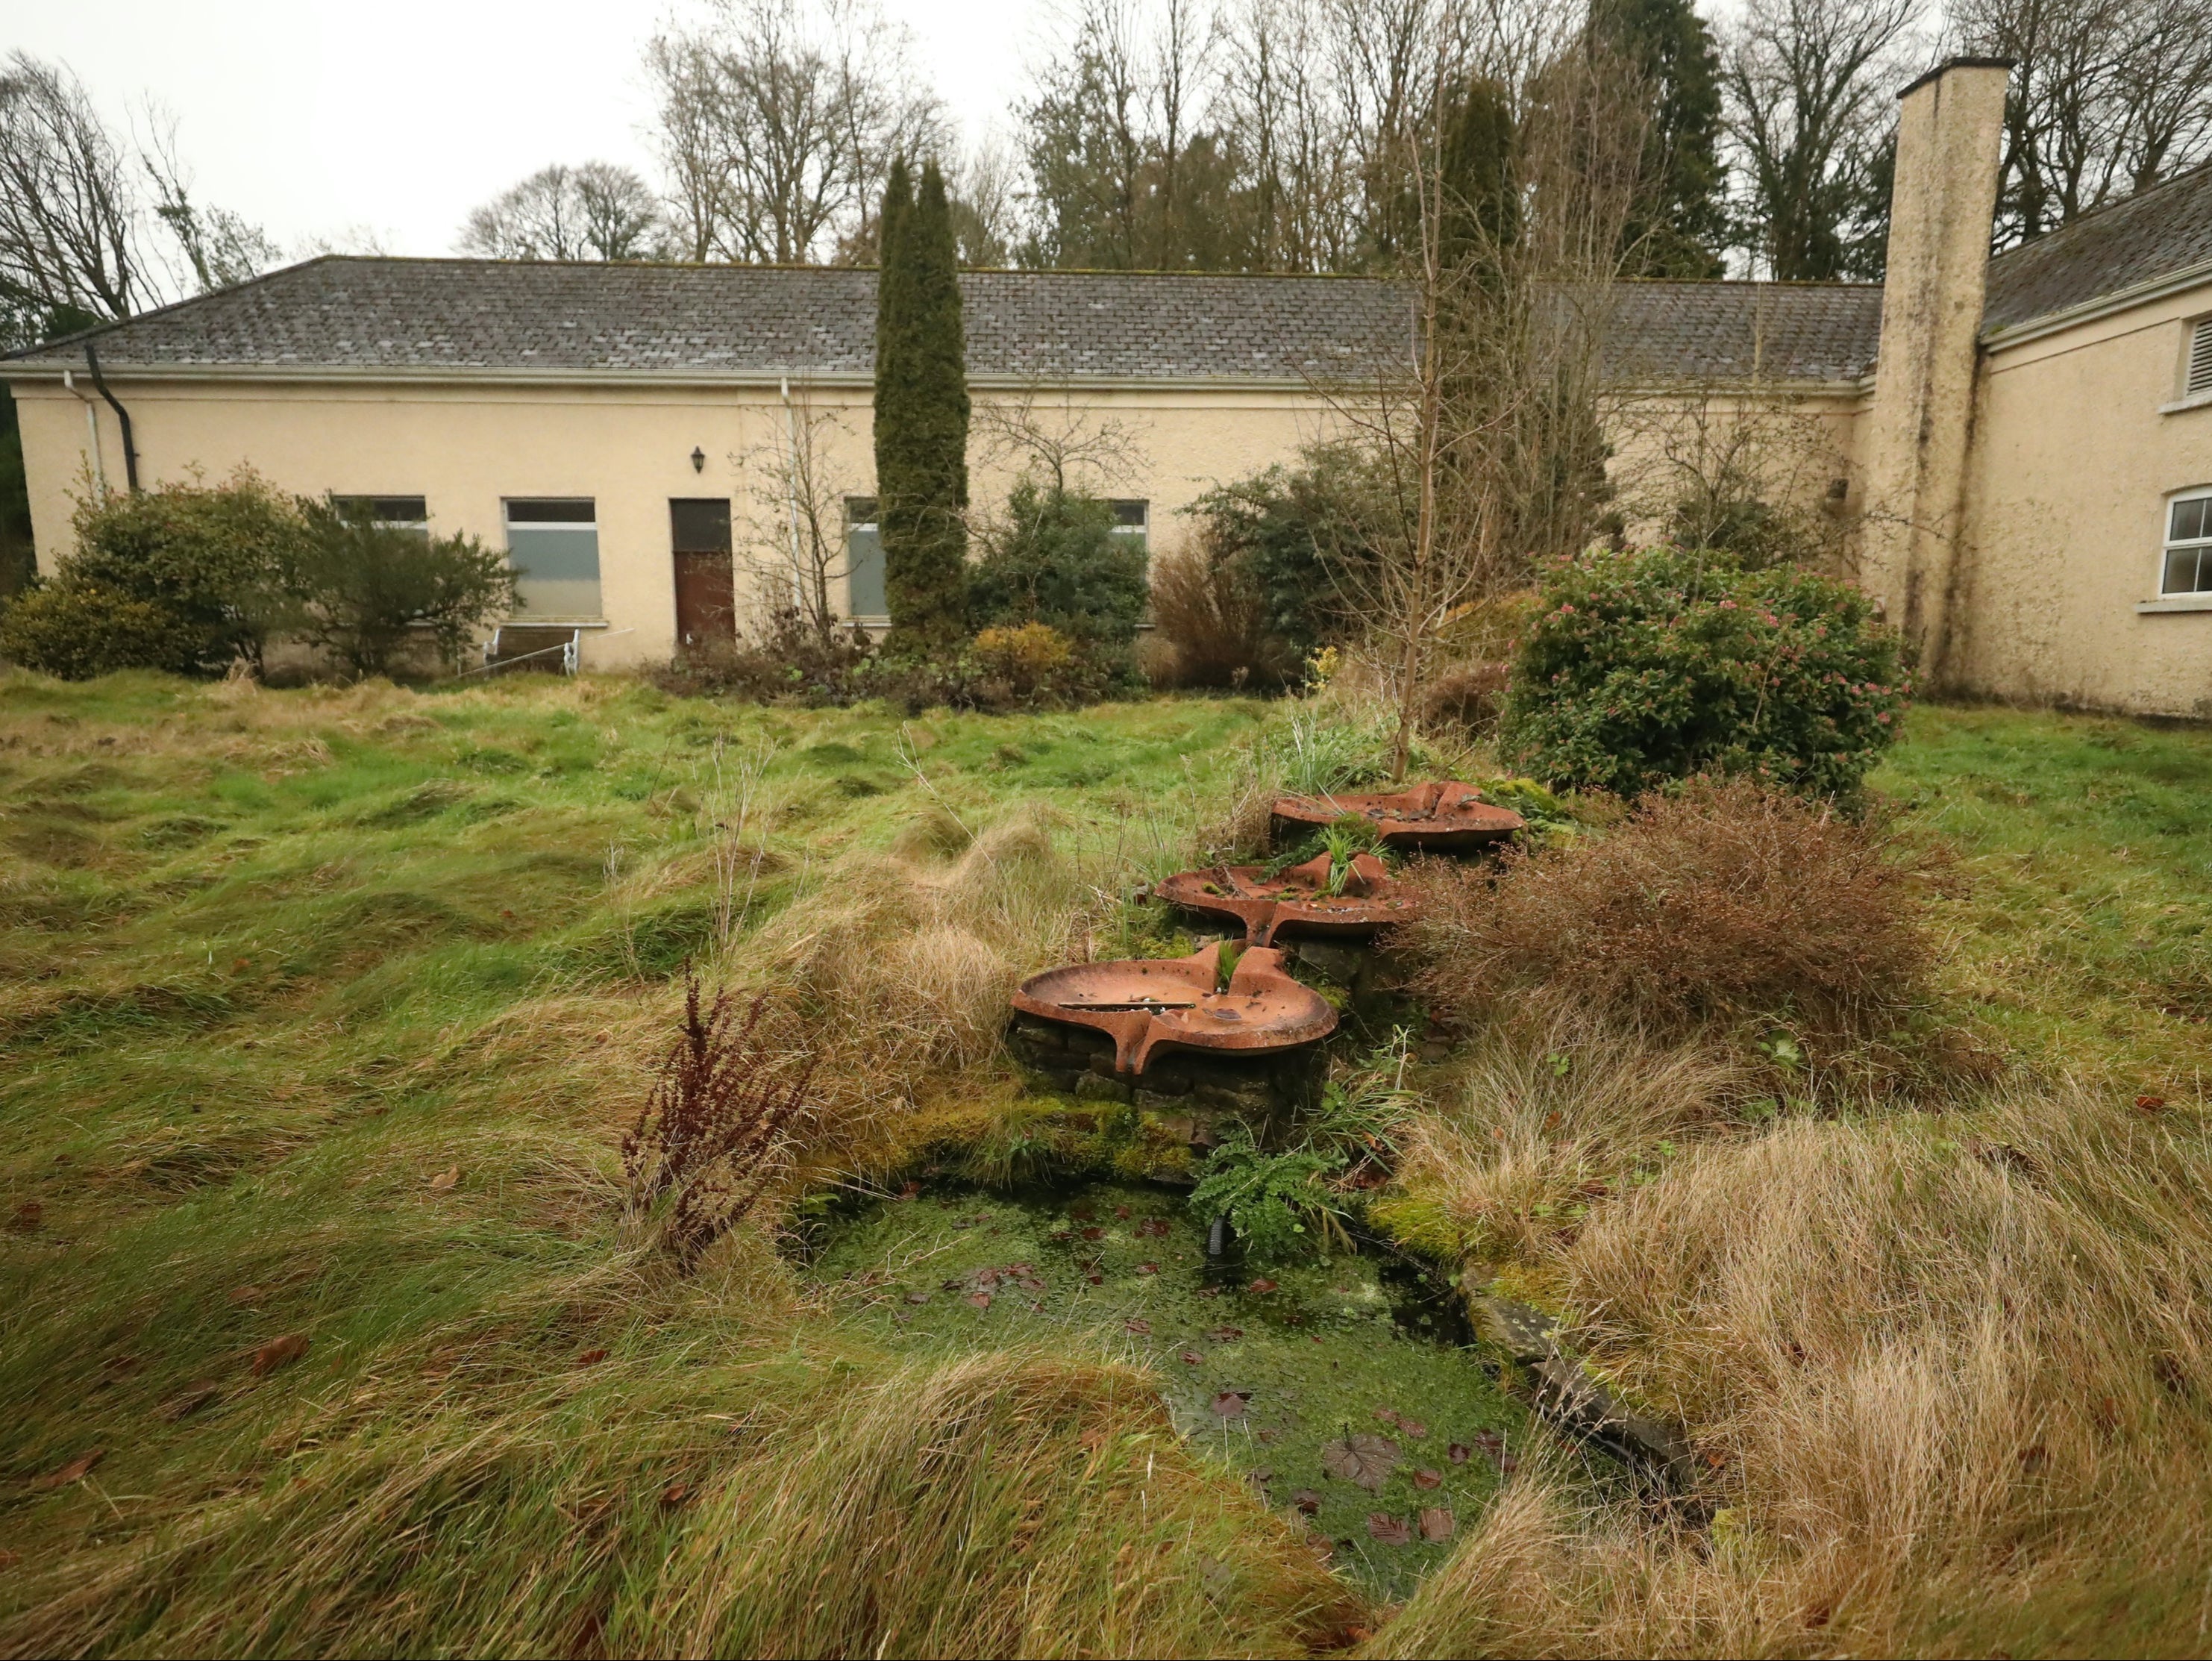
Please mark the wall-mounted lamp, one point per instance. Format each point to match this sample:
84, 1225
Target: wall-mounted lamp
698, 460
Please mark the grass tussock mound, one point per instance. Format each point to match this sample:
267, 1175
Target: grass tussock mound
996, 1505
1545, 1115
1717, 905
814, 1506
1949, 1390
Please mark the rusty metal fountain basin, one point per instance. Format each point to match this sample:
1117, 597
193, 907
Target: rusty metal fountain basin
1147, 1003
1298, 898
1437, 818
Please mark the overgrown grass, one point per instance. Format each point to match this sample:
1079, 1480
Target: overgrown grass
321, 1013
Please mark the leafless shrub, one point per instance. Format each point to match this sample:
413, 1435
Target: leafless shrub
1465, 699
1211, 617
717, 1125
1717, 905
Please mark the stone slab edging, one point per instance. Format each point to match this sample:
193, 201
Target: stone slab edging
1566, 1392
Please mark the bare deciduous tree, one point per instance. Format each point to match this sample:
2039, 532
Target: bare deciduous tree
1484, 453
2107, 96
778, 122
1811, 86
797, 556
595, 211
219, 247
69, 215
79, 237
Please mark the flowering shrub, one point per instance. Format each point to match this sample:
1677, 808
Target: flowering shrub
1641, 667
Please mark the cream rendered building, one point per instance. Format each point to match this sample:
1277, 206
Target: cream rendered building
2021, 447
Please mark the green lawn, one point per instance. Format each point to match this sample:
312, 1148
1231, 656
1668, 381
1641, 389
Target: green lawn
320, 1012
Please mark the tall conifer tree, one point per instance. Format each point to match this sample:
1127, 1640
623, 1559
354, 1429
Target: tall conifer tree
921, 418
1677, 227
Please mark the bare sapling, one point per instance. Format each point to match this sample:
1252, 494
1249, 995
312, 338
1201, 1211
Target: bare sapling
797, 554
717, 1128
1483, 447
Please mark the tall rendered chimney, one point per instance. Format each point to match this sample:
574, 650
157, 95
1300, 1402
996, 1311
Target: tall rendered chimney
1950, 125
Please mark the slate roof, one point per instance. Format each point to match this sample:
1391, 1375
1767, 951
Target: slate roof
464, 314
1674, 332
459, 316
2156, 233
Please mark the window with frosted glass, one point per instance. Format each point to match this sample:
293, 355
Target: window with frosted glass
553, 543
864, 561
2188, 546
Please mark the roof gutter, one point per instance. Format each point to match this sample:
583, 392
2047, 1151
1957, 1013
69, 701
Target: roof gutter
122, 417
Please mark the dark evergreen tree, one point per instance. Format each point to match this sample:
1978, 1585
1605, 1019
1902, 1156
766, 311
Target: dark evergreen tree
1480, 218
921, 418
1678, 226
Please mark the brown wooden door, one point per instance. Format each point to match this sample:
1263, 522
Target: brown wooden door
706, 586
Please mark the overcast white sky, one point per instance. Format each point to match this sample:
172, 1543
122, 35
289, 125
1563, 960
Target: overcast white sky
311, 116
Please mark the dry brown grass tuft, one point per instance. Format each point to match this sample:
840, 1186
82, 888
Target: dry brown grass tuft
1949, 1388
996, 1505
1547, 1113
899, 969
1717, 905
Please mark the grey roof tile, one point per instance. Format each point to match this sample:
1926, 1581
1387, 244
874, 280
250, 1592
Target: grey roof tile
2156, 233
1725, 331
461, 315
458, 315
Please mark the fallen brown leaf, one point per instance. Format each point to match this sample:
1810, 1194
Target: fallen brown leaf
1138, 1325
446, 1178
1459, 1452
1428, 1479
591, 1358
1263, 1284
1231, 1404
75, 1470
27, 1217
1387, 1530
1226, 1335
1148, 1269
1438, 1523
981, 1300
1191, 1358
1306, 1501
674, 1496
279, 1353
1363, 1458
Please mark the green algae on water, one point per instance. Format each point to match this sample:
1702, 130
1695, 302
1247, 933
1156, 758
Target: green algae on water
1279, 1372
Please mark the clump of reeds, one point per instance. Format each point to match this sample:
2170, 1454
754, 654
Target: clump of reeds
714, 1132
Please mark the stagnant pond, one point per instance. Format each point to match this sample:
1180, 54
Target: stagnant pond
1341, 1389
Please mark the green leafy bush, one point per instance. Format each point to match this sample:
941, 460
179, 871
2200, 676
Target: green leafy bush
1642, 667
365, 592
79, 630
1056, 560
1272, 549
212, 562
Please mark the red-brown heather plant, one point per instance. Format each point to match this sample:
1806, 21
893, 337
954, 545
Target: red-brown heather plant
720, 1112
1717, 905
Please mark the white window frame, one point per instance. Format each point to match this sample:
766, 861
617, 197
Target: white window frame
1143, 527
874, 526
421, 523
508, 525
2182, 600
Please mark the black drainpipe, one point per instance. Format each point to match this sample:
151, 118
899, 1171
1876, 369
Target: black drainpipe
122, 416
